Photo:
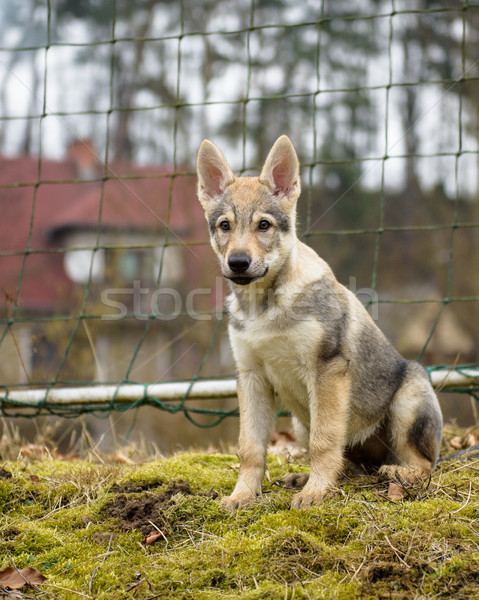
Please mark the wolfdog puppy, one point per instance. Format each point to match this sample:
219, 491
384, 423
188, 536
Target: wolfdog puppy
304, 342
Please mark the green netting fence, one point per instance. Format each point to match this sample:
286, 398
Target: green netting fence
109, 291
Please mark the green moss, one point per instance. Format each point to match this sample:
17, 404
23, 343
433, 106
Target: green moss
358, 544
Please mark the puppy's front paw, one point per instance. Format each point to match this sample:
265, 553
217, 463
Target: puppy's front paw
236, 500
311, 497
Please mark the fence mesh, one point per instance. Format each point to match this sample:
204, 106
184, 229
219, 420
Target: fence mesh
106, 272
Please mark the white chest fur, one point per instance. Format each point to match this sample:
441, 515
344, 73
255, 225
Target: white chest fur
283, 350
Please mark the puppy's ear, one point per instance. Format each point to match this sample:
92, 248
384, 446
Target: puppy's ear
214, 173
281, 170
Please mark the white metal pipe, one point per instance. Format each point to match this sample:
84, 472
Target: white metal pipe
221, 388
451, 378
103, 394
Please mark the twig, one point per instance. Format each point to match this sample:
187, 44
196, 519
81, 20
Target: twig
19, 573
160, 532
463, 466
410, 544
466, 502
133, 587
358, 569
90, 583
453, 367
109, 547
64, 589
396, 551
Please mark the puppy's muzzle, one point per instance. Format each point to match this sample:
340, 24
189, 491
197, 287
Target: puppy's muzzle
239, 263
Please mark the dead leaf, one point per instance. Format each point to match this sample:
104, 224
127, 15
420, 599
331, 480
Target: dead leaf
285, 444
395, 491
282, 436
119, 457
34, 479
39, 452
15, 579
471, 439
467, 441
34, 451
456, 442
72, 457
152, 537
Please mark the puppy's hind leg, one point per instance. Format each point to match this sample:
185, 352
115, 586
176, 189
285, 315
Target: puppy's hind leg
415, 428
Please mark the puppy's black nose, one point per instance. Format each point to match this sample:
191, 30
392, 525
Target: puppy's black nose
238, 263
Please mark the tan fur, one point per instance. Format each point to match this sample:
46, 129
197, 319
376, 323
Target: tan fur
304, 342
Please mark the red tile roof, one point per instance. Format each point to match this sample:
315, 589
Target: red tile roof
34, 210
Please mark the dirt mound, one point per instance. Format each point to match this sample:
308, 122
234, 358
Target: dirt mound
141, 511
134, 488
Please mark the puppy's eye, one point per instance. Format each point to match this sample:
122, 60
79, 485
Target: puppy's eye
264, 225
225, 226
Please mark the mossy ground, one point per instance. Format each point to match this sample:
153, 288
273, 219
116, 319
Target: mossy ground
56, 516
